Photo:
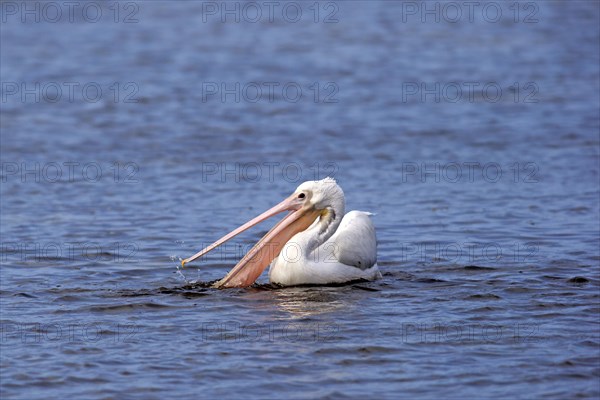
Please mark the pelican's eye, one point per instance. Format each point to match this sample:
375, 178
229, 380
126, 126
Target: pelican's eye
301, 196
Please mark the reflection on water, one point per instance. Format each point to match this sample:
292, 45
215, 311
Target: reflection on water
307, 302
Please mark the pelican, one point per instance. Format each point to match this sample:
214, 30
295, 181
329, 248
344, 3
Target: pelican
314, 244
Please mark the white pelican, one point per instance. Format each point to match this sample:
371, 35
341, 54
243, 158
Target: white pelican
314, 244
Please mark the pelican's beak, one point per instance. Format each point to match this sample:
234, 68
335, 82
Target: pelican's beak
302, 215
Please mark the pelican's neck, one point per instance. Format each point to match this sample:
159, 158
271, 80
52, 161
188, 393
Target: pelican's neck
322, 229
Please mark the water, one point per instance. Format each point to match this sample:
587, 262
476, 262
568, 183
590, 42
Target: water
487, 209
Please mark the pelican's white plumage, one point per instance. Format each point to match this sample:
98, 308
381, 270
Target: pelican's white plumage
335, 248
315, 244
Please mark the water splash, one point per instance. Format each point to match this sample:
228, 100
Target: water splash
177, 261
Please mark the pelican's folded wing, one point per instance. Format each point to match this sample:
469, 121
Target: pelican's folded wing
354, 242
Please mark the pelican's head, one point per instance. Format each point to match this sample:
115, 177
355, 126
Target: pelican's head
322, 194
309, 201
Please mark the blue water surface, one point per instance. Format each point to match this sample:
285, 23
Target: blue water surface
135, 133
